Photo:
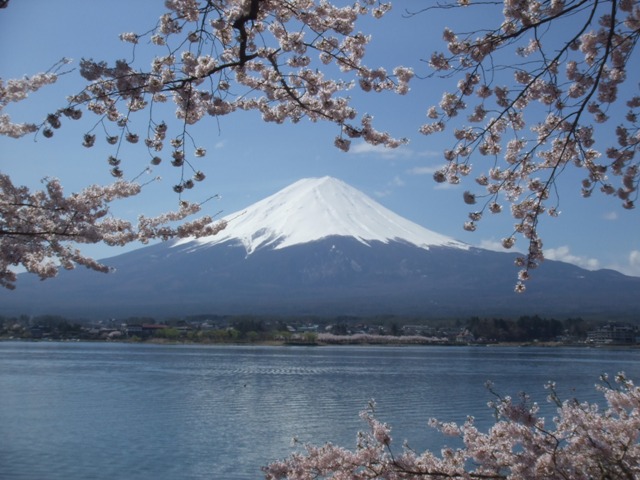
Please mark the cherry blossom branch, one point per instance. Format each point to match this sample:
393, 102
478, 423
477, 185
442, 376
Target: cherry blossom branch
590, 83
234, 30
37, 228
584, 441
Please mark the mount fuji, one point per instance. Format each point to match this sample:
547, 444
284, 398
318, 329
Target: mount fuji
316, 208
321, 247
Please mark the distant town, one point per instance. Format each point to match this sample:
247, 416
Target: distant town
324, 331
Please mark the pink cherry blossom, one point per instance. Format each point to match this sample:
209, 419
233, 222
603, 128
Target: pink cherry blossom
39, 228
566, 58
581, 441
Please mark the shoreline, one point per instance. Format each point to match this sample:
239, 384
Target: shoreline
346, 343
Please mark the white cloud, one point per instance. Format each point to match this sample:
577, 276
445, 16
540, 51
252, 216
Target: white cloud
422, 170
397, 182
633, 265
430, 170
496, 246
382, 193
610, 216
563, 254
430, 154
363, 148
628, 266
445, 186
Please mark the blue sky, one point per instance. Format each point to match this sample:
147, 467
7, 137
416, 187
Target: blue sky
248, 159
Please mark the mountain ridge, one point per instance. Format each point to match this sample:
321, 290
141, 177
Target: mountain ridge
312, 259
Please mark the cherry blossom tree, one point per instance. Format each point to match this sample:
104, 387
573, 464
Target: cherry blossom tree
544, 85
583, 441
38, 229
545, 88
213, 58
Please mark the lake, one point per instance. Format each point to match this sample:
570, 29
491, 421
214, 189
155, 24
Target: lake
141, 412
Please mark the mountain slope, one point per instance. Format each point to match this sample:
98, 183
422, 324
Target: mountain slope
315, 208
320, 247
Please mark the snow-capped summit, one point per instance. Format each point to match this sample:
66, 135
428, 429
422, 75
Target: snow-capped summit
315, 208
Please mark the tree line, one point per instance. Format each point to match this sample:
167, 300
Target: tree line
528, 328
255, 328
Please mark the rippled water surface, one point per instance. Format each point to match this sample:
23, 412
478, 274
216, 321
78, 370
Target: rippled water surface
121, 411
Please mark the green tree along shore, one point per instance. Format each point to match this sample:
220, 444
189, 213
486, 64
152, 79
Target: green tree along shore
250, 329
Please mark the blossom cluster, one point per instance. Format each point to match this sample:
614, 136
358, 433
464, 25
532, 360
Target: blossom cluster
16, 90
582, 441
222, 56
38, 229
575, 60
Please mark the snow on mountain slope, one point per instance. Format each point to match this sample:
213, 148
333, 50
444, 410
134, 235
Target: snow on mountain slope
315, 208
